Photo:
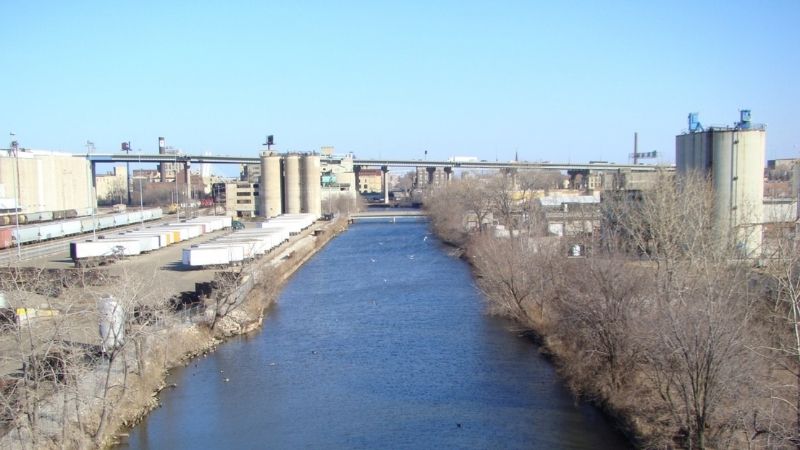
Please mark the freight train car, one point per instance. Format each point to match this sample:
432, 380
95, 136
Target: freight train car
39, 232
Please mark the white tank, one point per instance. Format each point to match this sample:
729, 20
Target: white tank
312, 188
735, 160
269, 189
112, 324
292, 184
738, 179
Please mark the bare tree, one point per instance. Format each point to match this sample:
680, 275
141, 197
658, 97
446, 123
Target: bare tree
517, 275
600, 317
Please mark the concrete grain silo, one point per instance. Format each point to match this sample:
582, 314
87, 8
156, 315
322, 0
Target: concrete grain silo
292, 184
311, 187
734, 158
269, 192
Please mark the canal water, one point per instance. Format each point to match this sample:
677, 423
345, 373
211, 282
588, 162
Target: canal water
380, 341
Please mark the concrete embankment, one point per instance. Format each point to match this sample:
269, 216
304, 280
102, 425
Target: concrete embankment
105, 398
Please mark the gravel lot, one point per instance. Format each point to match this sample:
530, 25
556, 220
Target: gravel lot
151, 278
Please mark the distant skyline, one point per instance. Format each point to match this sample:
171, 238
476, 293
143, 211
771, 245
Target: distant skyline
556, 81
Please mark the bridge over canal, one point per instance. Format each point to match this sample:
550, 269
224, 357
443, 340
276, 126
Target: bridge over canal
390, 215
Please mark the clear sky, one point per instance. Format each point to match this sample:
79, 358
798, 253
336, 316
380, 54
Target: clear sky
553, 80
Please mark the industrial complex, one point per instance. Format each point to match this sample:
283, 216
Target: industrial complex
39, 186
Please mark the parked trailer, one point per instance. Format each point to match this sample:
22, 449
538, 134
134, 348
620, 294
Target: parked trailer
194, 230
180, 233
101, 250
278, 234
212, 223
257, 247
252, 247
208, 255
147, 243
164, 237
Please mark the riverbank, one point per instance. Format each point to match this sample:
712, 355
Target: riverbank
677, 345
199, 340
380, 340
101, 399
536, 330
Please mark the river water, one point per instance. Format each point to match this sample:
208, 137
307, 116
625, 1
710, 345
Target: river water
380, 341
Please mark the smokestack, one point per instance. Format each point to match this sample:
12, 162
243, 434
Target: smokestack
635, 147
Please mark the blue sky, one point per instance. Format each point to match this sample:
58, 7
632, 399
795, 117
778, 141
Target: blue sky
558, 81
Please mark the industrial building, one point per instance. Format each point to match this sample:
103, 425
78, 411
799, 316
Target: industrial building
338, 182
112, 187
370, 181
733, 157
36, 180
289, 184
240, 198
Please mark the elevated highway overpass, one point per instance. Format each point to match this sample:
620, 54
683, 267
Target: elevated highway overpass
410, 163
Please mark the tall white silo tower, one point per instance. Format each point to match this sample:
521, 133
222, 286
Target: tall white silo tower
311, 182
270, 198
734, 157
292, 184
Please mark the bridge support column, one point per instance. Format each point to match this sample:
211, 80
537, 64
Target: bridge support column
420, 178
448, 175
385, 184
431, 175
188, 179
511, 174
574, 181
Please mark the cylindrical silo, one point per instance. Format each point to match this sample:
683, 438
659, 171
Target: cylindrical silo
680, 149
292, 184
269, 192
749, 150
312, 189
722, 177
738, 185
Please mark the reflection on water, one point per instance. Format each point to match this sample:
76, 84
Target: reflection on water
377, 342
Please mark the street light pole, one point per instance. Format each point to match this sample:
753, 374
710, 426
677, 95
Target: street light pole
126, 147
141, 198
92, 205
18, 196
177, 197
